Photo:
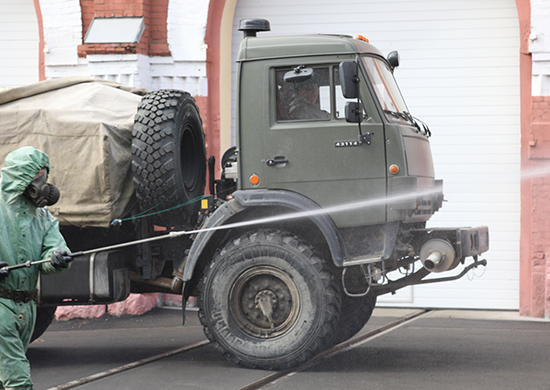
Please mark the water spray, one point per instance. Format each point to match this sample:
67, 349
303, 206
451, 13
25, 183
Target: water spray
295, 215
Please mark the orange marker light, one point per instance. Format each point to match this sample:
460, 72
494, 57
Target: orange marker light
254, 179
394, 169
362, 38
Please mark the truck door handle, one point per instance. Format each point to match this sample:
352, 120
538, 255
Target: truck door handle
272, 162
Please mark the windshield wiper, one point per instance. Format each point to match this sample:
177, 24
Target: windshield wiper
401, 115
420, 126
394, 114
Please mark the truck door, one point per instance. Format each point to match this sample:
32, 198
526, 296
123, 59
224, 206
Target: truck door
310, 148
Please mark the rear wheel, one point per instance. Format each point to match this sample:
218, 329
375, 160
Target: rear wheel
44, 317
266, 301
169, 156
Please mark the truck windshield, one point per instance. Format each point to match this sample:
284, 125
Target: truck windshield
386, 89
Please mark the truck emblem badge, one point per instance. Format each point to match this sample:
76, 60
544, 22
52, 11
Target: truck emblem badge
343, 144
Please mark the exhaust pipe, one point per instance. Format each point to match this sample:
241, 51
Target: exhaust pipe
433, 260
438, 255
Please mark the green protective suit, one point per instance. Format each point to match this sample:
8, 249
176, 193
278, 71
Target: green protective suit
26, 233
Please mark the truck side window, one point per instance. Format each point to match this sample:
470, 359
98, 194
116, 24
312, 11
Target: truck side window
303, 101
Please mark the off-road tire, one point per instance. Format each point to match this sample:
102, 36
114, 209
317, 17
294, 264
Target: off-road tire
300, 286
44, 317
355, 313
168, 156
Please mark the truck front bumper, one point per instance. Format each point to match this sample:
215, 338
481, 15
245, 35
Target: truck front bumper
466, 241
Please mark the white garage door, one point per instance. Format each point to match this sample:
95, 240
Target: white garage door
18, 43
460, 74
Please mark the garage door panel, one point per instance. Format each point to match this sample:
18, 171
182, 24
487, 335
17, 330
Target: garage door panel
432, 12
479, 101
8, 55
476, 124
467, 62
423, 112
460, 78
19, 43
378, 26
497, 207
423, 92
509, 169
474, 147
506, 200
444, 35
483, 158
456, 297
18, 30
13, 14
12, 46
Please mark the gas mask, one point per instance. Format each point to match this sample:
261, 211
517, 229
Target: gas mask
41, 193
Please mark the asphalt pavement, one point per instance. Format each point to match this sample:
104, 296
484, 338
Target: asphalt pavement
440, 349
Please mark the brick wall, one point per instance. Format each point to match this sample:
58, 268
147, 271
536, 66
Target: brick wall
154, 39
539, 156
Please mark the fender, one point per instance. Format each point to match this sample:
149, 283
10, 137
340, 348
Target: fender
261, 198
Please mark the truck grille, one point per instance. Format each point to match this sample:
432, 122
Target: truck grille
423, 207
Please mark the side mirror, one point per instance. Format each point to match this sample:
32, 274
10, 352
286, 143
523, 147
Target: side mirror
393, 59
298, 75
354, 112
349, 79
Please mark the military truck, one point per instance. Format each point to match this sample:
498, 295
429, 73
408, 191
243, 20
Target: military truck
321, 203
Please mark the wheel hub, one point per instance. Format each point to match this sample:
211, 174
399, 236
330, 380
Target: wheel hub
264, 301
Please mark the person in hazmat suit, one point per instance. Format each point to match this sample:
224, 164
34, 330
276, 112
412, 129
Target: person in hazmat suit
28, 232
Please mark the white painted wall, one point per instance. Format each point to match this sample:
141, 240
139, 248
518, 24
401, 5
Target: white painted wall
62, 21
19, 42
539, 46
185, 69
186, 29
460, 74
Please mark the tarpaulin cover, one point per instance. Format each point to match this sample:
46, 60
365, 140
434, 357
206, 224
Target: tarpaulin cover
85, 127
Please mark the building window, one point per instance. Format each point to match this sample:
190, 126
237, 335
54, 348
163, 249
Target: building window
115, 30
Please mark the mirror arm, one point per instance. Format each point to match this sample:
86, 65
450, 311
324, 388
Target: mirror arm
357, 80
361, 136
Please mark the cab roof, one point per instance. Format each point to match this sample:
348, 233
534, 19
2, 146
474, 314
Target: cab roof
270, 47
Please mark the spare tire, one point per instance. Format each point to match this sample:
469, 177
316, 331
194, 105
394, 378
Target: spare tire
169, 157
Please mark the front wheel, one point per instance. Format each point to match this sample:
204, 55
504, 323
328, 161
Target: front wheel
266, 301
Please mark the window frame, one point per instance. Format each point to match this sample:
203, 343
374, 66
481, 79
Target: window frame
280, 70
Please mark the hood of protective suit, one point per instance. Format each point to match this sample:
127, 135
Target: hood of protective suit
21, 166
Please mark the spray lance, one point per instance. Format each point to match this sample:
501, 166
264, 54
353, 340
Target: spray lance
29, 263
